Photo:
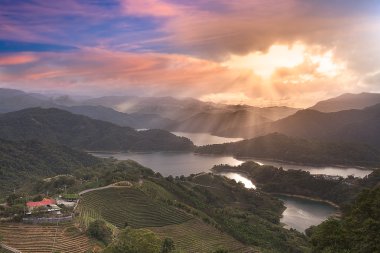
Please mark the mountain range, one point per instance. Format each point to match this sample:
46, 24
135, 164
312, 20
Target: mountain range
361, 126
167, 113
347, 101
281, 147
81, 132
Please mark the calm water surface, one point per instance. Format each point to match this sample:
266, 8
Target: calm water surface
327, 170
186, 163
240, 179
172, 163
303, 213
201, 139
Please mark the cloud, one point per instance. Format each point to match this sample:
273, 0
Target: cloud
100, 71
193, 48
155, 8
17, 59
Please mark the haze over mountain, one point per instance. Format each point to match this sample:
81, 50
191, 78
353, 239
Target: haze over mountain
58, 126
347, 101
150, 112
361, 126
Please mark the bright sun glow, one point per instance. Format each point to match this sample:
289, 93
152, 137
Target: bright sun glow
283, 56
264, 64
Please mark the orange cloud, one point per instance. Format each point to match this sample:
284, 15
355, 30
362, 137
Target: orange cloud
112, 72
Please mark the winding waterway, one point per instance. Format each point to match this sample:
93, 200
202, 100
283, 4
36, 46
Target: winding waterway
299, 214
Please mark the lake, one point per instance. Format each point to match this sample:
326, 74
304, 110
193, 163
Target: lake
303, 213
173, 163
186, 163
201, 139
327, 170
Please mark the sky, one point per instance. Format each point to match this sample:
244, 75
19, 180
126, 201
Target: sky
257, 52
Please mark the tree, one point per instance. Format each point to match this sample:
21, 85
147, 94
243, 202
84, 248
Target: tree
358, 231
135, 241
167, 245
99, 230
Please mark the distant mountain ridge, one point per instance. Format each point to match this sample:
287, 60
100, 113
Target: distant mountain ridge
359, 126
77, 131
174, 114
347, 101
281, 147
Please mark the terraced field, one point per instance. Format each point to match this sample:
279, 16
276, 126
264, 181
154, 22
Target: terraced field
40, 239
4, 251
195, 236
120, 205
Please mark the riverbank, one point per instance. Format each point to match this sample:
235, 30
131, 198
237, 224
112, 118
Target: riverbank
339, 166
308, 198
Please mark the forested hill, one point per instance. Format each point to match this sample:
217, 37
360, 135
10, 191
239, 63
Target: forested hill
21, 162
77, 131
281, 147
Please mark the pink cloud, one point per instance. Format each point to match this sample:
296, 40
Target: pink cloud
109, 72
17, 59
155, 8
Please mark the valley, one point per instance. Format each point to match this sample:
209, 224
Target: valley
242, 193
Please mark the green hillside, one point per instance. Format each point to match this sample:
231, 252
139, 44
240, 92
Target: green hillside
25, 161
188, 208
121, 206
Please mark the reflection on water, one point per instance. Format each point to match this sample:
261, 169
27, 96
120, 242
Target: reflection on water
172, 163
186, 163
326, 170
201, 139
239, 178
303, 213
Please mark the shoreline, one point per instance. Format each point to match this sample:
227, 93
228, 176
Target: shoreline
339, 166
249, 158
307, 198
241, 158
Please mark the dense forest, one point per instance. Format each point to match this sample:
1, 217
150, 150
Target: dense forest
282, 147
25, 161
76, 131
357, 230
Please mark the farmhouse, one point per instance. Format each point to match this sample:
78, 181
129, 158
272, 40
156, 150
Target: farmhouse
43, 205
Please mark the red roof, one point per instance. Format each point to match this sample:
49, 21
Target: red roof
44, 202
